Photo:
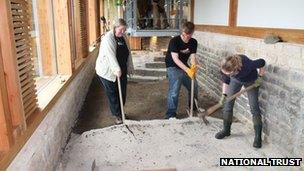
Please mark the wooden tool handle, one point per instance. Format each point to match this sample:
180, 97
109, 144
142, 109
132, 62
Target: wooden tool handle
121, 101
192, 97
217, 106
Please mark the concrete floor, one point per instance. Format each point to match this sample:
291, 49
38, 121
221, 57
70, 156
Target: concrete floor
185, 145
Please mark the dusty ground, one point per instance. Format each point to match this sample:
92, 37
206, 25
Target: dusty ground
146, 100
186, 145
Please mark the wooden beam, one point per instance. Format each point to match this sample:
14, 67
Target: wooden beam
6, 130
92, 21
10, 65
101, 10
192, 2
37, 118
287, 35
97, 11
45, 37
233, 7
62, 37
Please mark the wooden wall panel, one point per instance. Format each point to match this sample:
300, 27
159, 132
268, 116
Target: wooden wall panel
10, 63
22, 25
135, 43
45, 37
93, 19
5, 115
62, 37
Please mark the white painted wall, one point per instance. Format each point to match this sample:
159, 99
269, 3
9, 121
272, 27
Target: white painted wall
211, 12
271, 13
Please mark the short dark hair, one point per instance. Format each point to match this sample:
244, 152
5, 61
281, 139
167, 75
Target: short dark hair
188, 27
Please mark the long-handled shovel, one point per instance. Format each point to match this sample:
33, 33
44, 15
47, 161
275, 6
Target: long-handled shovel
121, 101
214, 108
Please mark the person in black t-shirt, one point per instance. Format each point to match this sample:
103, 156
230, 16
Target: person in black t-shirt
180, 49
238, 71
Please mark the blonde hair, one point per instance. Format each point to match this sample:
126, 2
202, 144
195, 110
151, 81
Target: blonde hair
119, 22
232, 63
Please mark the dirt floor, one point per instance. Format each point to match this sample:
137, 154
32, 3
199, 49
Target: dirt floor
146, 100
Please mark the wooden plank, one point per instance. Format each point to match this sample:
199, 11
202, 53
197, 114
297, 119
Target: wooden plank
25, 70
101, 13
62, 35
31, 110
233, 13
35, 119
29, 105
6, 132
27, 91
45, 37
92, 18
192, 11
287, 35
28, 79
10, 65
135, 43
30, 96
27, 86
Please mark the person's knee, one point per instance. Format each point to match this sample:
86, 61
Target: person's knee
255, 109
257, 119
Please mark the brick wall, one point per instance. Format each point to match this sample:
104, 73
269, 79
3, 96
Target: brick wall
43, 150
282, 92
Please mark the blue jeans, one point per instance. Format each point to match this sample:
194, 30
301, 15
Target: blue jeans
111, 90
253, 98
177, 77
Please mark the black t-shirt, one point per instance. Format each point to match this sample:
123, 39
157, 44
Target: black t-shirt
183, 49
122, 54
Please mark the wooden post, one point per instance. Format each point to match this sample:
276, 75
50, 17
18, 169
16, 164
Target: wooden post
10, 65
192, 11
101, 10
62, 36
6, 133
233, 13
92, 20
45, 37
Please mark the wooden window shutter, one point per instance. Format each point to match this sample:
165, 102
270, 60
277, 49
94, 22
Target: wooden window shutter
22, 24
84, 27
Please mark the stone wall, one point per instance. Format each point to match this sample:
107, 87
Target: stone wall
44, 148
282, 92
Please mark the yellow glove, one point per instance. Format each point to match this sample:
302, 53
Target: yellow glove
194, 68
190, 73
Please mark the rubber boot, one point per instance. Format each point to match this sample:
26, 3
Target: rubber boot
257, 143
225, 132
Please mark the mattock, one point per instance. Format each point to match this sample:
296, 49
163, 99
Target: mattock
214, 108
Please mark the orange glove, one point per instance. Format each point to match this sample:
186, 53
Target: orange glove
190, 73
194, 68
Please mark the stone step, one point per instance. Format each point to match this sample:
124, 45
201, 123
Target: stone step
155, 73
159, 59
156, 65
138, 78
